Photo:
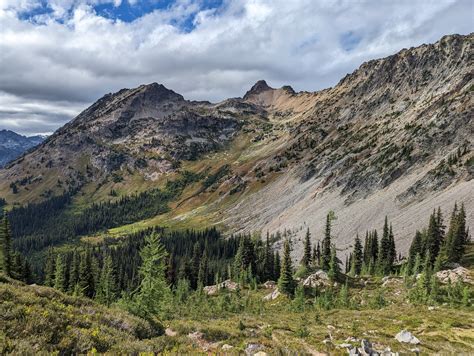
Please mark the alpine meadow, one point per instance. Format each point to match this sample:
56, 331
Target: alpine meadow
330, 217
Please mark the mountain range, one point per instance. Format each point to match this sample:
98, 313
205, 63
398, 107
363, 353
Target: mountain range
394, 138
12, 145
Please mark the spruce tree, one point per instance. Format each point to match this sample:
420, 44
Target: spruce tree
326, 245
268, 260
49, 268
152, 296
383, 255
433, 238
60, 274
74, 271
203, 271
277, 266
6, 254
415, 249
334, 267
86, 277
286, 283
357, 257
107, 289
306, 260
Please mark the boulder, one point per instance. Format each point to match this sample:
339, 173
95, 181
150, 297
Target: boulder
269, 285
317, 279
227, 347
227, 284
455, 275
407, 337
273, 295
253, 348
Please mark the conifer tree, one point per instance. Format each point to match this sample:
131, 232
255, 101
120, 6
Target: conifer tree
268, 260
74, 271
6, 254
383, 255
49, 269
306, 260
326, 245
357, 257
203, 271
60, 274
86, 277
334, 267
415, 249
195, 263
153, 294
286, 283
107, 287
276, 266
433, 238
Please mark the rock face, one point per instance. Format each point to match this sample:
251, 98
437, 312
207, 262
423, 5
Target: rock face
407, 337
455, 275
269, 285
394, 138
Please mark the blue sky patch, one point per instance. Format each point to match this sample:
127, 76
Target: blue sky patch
349, 40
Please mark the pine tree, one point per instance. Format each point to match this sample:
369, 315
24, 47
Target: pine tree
277, 266
74, 272
357, 257
415, 249
49, 269
153, 294
60, 274
195, 263
306, 260
460, 235
286, 283
317, 255
383, 255
6, 247
334, 267
268, 261
433, 238
203, 271
86, 277
107, 289
326, 245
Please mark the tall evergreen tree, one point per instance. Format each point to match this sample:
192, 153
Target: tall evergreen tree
326, 245
357, 257
60, 274
49, 268
86, 277
74, 271
203, 271
286, 283
306, 260
268, 261
384, 250
153, 294
334, 265
433, 238
276, 266
6, 253
107, 289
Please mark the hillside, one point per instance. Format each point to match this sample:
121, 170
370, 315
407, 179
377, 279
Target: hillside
13, 145
393, 138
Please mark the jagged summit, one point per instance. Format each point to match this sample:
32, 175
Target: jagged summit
259, 87
159, 92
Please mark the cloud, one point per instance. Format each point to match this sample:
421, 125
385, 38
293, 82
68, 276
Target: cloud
60, 56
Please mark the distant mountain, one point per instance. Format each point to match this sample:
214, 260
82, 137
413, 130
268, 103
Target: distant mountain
394, 138
12, 145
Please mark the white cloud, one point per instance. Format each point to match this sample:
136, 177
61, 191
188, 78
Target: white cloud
65, 65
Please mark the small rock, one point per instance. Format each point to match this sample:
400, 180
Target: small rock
352, 339
170, 332
260, 353
269, 285
345, 346
415, 350
407, 337
252, 349
330, 327
273, 295
327, 342
227, 347
366, 348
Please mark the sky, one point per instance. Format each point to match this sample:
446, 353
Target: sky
59, 56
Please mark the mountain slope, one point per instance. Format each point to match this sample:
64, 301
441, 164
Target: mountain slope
393, 138
12, 145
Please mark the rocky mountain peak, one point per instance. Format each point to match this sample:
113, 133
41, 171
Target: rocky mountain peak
159, 92
259, 87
